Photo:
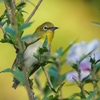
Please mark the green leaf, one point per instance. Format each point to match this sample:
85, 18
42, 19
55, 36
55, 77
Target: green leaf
21, 5
45, 42
62, 84
42, 50
51, 97
85, 56
96, 23
92, 95
68, 47
26, 25
59, 51
53, 72
7, 70
86, 78
19, 75
11, 31
97, 66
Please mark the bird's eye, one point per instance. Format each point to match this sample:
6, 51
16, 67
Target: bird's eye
45, 28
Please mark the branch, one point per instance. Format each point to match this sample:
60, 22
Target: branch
8, 12
14, 24
48, 79
33, 12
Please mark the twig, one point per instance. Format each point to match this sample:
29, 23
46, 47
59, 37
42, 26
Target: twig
48, 79
33, 12
8, 12
13, 23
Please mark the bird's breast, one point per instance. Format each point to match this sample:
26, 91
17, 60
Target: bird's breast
29, 54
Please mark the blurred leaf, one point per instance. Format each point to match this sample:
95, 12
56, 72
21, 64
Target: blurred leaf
92, 60
2, 23
42, 50
47, 90
72, 97
19, 75
26, 25
45, 42
28, 36
96, 23
68, 47
59, 87
92, 95
51, 97
86, 78
98, 98
21, 5
75, 66
85, 56
97, 66
59, 51
97, 61
87, 92
11, 31
62, 62
53, 72
6, 41
31, 2
7, 70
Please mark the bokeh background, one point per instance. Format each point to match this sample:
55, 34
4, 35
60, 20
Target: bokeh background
74, 19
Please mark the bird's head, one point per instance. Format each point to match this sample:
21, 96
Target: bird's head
46, 29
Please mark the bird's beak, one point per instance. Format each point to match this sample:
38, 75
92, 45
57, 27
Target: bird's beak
53, 28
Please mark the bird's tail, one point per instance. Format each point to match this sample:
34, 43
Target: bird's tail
16, 82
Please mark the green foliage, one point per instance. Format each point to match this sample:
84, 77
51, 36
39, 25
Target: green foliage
17, 74
24, 26
54, 61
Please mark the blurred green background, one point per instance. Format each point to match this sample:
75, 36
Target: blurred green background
74, 19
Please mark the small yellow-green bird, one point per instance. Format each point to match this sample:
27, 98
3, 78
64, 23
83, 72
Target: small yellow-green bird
44, 30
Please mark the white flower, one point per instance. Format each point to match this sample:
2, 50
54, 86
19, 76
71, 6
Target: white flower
79, 50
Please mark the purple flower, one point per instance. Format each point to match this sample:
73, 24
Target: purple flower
76, 52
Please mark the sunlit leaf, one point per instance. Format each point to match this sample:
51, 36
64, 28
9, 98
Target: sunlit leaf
7, 70
53, 72
19, 75
26, 25
11, 31
69, 47
59, 51
92, 95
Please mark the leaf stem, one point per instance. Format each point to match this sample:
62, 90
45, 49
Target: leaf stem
48, 79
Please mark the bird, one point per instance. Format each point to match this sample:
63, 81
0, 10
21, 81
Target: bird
31, 63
